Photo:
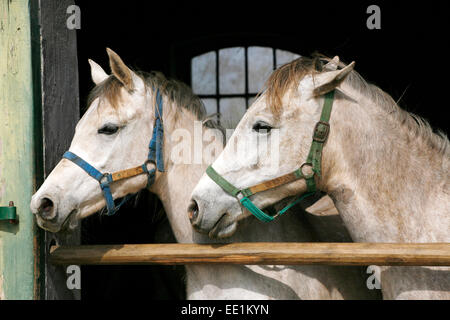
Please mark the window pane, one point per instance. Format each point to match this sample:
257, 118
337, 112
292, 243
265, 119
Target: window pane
231, 111
203, 70
260, 66
231, 70
210, 106
285, 57
251, 100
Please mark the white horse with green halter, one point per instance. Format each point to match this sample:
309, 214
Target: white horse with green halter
385, 169
114, 134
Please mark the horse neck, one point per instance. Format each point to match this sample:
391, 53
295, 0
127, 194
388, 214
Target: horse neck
174, 186
385, 185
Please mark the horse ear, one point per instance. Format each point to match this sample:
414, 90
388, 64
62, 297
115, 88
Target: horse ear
328, 81
97, 73
128, 78
332, 65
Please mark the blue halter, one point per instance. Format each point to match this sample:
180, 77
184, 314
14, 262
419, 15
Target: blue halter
155, 155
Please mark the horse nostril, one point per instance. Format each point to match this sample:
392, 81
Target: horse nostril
193, 211
46, 205
46, 209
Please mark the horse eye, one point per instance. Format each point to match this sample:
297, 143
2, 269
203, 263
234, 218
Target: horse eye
108, 129
262, 126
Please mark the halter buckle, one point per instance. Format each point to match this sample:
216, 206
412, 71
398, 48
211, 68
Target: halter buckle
321, 131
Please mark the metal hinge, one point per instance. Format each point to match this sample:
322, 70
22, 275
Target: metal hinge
9, 213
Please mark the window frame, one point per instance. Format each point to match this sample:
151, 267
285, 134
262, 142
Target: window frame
247, 95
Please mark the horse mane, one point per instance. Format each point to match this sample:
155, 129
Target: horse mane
176, 91
289, 74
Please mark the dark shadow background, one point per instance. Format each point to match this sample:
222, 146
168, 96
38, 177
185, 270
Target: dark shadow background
406, 58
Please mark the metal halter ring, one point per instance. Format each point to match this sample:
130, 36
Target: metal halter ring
306, 175
147, 162
240, 195
104, 176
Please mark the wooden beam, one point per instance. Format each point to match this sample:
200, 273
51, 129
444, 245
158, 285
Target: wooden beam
287, 253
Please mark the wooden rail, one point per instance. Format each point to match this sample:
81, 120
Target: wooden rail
281, 253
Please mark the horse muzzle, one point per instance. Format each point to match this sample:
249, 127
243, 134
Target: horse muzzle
48, 215
220, 226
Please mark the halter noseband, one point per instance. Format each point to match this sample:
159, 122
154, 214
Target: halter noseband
155, 155
314, 159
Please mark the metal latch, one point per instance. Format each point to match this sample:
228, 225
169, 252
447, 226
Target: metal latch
9, 213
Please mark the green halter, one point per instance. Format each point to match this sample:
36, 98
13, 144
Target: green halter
314, 160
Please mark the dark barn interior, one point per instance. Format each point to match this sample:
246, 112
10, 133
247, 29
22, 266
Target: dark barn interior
402, 58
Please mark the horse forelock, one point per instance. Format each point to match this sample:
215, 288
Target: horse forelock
109, 89
286, 76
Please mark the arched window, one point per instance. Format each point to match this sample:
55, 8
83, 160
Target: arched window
228, 79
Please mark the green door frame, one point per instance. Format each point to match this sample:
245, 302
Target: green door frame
20, 149
39, 109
